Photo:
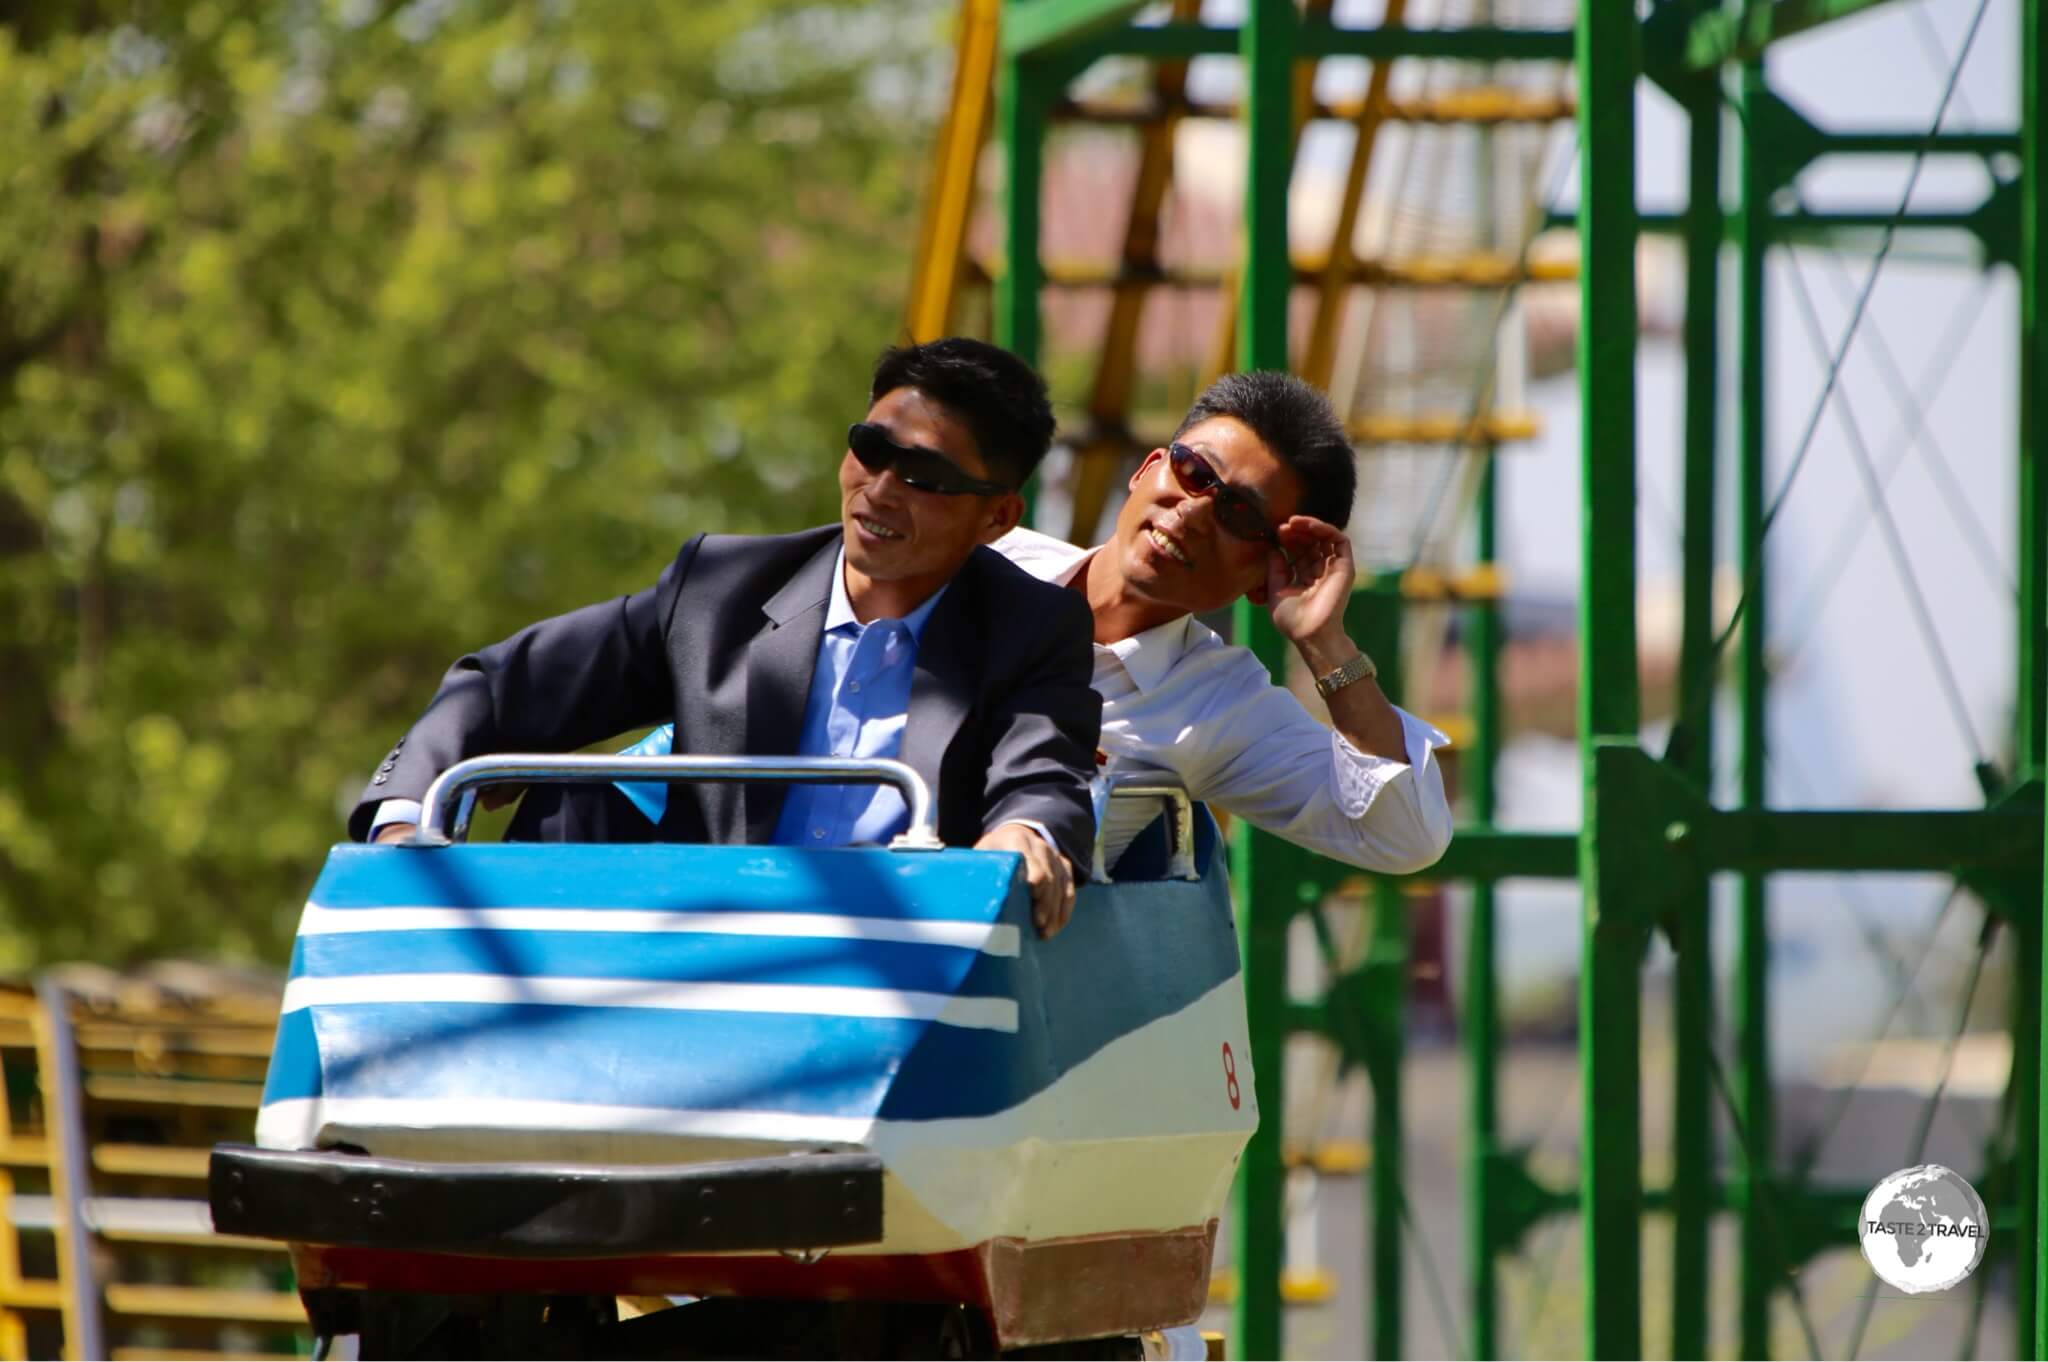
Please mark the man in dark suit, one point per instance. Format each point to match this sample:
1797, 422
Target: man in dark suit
895, 633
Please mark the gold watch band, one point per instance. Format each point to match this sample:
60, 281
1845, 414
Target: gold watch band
1357, 669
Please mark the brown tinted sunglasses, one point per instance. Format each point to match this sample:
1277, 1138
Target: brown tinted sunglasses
1235, 511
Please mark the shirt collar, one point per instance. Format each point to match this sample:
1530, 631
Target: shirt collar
1152, 653
1066, 575
839, 613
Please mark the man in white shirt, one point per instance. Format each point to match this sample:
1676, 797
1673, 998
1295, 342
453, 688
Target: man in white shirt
1248, 499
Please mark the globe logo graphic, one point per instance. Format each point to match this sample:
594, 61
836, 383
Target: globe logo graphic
1924, 1229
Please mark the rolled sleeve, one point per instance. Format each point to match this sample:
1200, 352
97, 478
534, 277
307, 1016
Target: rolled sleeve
1413, 825
1266, 759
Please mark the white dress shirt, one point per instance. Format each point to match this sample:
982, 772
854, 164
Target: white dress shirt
1177, 698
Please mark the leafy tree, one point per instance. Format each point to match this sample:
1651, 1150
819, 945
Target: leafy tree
337, 338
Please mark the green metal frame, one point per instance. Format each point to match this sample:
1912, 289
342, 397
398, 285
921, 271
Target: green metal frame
1651, 837
2031, 745
1615, 884
1753, 942
1720, 36
1692, 1119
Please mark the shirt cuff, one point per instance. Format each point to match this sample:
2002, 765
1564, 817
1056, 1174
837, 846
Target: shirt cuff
1036, 827
394, 811
1360, 776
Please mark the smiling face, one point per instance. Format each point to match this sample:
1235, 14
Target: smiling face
903, 544
1169, 549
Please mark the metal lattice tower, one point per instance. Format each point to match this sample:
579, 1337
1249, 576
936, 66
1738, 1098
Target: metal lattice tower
1402, 317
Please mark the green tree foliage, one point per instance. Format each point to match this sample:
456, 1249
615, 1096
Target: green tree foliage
337, 338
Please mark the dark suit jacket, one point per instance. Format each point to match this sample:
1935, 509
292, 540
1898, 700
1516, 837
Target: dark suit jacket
1003, 721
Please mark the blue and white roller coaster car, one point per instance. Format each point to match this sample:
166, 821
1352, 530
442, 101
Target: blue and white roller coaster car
842, 1101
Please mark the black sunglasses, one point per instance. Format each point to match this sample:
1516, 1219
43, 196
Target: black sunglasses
921, 469
1235, 511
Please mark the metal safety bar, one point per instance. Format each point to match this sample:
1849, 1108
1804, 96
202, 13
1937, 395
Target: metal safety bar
1178, 809
452, 797
64, 1118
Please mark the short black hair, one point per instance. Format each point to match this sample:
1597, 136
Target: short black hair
1002, 399
1301, 428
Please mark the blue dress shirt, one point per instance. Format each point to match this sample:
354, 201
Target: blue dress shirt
858, 704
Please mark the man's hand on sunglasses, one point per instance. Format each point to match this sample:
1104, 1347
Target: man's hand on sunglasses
1308, 607
1309, 612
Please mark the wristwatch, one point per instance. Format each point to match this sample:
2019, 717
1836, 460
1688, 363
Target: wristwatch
1357, 669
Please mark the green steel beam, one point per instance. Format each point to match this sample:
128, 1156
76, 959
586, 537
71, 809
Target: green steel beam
1790, 141
1945, 840
2026, 1107
1039, 27
1385, 1009
1784, 225
1445, 44
1811, 1219
1899, 142
1691, 935
1758, 840
1743, 33
2007, 890
1759, 1254
1265, 868
1479, 1018
1373, 618
2031, 735
1523, 1200
1259, 878
1666, 222
1165, 42
1488, 854
1022, 99
1775, 840
1315, 40
1878, 216
1994, 227
1266, 45
1905, 142
1608, 64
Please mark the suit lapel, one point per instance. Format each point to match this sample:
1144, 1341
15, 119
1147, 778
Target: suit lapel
943, 688
780, 663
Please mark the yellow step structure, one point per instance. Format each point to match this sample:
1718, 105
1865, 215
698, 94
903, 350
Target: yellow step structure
107, 1247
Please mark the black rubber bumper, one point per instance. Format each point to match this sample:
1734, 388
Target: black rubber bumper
514, 1210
